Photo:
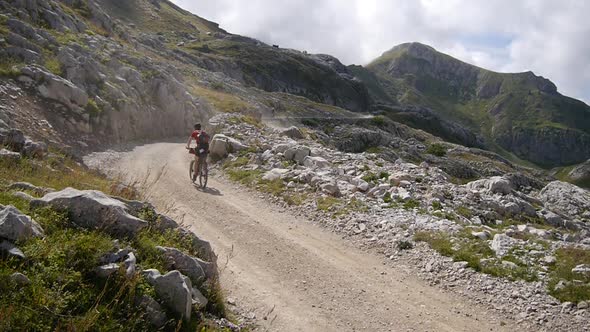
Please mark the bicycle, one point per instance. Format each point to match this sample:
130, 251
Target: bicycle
202, 169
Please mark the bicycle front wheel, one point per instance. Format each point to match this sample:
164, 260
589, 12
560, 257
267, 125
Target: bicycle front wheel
203, 174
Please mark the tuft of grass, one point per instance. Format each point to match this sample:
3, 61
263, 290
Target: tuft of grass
411, 204
246, 177
383, 175
92, 108
374, 150
53, 65
444, 215
370, 177
327, 203
274, 187
387, 198
295, 199
238, 162
437, 149
10, 67
436, 240
567, 259
464, 211
437, 205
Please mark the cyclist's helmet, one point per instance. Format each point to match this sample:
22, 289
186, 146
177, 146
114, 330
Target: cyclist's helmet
197, 126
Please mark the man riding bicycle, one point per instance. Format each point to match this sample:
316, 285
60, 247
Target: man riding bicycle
202, 149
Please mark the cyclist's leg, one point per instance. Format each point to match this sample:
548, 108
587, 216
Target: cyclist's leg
196, 165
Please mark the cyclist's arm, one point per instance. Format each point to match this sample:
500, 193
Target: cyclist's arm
188, 144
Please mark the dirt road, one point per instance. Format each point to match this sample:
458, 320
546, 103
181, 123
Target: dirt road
314, 280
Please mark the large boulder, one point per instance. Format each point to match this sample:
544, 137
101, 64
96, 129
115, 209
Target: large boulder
292, 132
493, 185
15, 226
56, 88
34, 149
315, 162
12, 138
221, 146
275, 173
175, 291
566, 198
297, 153
502, 244
197, 270
93, 209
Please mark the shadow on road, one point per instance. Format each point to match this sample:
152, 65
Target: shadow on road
208, 190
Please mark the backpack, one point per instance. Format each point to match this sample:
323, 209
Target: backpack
203, 141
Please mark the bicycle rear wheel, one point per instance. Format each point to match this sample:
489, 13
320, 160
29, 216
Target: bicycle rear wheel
191, 171
203, 174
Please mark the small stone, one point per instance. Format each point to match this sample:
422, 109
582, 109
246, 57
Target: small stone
582, 305
20, 279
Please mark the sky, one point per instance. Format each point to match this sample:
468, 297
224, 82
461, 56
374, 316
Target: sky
551, 38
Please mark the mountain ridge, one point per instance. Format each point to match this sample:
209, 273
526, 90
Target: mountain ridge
516, 112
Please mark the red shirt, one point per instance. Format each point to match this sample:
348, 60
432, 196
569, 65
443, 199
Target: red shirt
195, 135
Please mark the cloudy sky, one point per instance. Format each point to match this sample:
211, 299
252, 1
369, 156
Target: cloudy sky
548, 37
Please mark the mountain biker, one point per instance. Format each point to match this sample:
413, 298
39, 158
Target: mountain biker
202, 149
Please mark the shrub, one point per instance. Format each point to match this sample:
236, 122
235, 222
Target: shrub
383, 175
437, 149
378, 120
404, 245
92, 108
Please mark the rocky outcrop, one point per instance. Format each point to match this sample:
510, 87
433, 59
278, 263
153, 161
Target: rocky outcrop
549, 146
93, 209
56, 88
566, 198
581, 172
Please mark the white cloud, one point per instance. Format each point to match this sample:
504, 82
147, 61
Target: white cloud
545, 36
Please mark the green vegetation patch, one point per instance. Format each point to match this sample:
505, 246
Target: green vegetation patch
92, 108
437, 149
576, 287
10, 66
328, 203
477, 254
56, 171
